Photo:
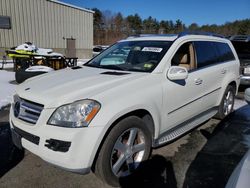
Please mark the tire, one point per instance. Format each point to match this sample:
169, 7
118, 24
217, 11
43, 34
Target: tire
118, 151
227, 103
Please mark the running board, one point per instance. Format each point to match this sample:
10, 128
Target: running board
183, 128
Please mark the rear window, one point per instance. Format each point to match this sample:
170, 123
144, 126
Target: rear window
225, 52
209, 53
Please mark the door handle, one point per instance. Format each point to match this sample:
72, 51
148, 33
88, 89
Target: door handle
223, 71
198, 81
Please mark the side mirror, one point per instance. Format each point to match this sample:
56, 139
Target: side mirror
247, 95
177, 73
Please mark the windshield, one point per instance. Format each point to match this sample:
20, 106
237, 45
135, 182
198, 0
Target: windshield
242, 49
140, 56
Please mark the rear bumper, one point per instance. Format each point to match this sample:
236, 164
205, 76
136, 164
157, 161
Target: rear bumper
244, 80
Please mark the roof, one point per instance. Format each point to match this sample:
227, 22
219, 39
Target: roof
72, 6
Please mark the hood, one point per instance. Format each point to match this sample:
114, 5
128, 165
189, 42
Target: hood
68, 85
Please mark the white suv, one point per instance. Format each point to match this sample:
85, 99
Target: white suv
138, 94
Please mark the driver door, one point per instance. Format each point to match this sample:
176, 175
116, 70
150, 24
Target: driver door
181, 99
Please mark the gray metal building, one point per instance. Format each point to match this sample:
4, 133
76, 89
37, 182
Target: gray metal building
65, 28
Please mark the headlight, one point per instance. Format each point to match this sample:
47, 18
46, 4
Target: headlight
77, 114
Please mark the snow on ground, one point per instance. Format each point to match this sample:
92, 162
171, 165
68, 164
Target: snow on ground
6, 88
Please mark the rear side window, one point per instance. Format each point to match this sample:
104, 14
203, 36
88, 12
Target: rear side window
225, 52
209, 53
206, 53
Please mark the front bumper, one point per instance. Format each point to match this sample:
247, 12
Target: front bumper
79, 153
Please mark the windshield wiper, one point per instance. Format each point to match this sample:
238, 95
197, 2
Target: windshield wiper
91, 65
137, 70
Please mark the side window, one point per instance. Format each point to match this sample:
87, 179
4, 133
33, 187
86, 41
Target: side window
225, 52
206, 53
184, 57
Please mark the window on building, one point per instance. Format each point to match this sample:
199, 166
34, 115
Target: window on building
5, 22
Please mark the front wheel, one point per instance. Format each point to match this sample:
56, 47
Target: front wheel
127, 145
227, 102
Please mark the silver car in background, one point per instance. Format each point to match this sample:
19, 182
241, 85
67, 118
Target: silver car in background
240, 176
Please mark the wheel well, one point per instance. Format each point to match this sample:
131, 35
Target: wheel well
141, 113
233, 83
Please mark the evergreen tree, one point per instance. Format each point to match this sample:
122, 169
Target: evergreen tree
110, 27
134, 23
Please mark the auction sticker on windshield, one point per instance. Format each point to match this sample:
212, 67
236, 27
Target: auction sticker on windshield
152, 49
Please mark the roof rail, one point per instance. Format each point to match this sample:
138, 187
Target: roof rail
185, 33
199, 33
242, 38
158, 35
152, 35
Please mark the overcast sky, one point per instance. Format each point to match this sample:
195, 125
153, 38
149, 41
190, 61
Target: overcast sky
189, 11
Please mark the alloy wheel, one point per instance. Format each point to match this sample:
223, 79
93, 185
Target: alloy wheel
228, 102
128, 152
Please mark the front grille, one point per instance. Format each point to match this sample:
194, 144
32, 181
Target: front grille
28, 111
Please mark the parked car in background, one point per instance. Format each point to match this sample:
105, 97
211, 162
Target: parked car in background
240, 176
247, 95
242, 46
138, 94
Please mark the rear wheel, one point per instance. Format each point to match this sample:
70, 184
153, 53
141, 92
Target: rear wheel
227, 103
124, 149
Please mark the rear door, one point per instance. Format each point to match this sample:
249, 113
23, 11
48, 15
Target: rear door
212, 72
